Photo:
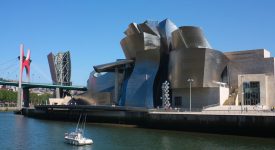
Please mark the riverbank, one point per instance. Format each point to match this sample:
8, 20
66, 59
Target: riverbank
8, 109
249, 124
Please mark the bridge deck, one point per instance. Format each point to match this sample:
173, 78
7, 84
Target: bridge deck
41, 85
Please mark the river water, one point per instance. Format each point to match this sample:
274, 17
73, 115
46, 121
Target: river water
22, 133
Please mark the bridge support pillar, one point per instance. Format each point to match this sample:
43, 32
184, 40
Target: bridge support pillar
19, 98
26, 97
59, 93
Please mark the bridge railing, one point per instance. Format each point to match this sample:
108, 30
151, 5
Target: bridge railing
13, 83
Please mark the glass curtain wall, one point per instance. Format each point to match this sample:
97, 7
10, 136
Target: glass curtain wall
251, 93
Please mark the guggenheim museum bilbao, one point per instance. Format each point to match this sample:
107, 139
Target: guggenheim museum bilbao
160, 51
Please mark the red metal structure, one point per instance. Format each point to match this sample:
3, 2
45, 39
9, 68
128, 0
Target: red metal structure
26, 62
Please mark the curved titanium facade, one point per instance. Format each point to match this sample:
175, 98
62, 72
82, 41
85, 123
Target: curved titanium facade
101, 82
139, 91
144, 47
158, 51
189, 37
149, 44
192, 57
166, 27
139, 42
204, 66
100, 88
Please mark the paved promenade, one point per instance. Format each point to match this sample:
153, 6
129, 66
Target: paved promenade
246, 111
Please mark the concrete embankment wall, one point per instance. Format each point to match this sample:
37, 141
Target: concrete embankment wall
229, 124
98, 116
225, 124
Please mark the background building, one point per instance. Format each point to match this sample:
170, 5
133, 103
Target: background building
60, 68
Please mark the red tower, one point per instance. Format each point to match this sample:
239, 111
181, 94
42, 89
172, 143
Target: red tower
26, 62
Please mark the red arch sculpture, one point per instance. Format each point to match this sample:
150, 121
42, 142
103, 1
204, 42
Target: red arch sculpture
26, 62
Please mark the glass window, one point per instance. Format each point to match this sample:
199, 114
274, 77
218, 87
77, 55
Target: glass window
251, 93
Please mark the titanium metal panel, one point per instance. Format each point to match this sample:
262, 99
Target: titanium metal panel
178, 41
205, 66
166, 27
139, 91
131, 44
190, 37
194, 37
132, 29
151, 43
215, 63
150, 27
138, 42
100, 89
184, 64
101, 82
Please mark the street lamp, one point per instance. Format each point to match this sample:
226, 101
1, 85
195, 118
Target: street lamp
190, 80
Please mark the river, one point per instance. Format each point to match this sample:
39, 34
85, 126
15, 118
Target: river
22, 133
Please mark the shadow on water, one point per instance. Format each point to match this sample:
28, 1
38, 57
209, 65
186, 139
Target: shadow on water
19, 132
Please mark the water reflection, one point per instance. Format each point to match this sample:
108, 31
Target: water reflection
86, 147
18, 132
165, 142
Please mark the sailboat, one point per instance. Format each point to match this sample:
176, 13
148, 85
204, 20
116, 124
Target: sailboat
77, 137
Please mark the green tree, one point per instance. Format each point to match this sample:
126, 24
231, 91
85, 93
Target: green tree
35, 99
8, 96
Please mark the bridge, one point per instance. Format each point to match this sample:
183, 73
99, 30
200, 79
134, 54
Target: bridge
14, 77
29, 85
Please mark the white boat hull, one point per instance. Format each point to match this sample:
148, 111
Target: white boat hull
78, 142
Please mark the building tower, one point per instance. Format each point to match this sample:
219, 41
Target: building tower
60, 67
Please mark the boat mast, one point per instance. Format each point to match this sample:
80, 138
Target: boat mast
84, 123
78, 122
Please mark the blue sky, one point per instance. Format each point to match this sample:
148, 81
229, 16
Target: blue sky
92, 30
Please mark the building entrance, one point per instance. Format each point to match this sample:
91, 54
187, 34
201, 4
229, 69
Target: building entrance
251, 93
